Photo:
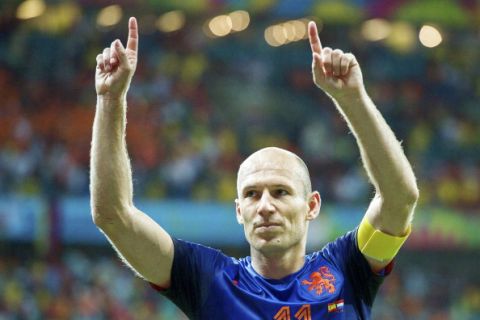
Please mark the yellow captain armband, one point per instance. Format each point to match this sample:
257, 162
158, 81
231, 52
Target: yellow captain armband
378, 245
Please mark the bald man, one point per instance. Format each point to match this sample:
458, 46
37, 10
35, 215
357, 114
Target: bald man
275, 205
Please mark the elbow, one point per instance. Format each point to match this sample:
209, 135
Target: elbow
101, 218
107, 217
412, 194
406, 196
98, 218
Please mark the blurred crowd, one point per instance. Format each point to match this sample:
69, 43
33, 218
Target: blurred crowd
198, 106
81, 286
77, 287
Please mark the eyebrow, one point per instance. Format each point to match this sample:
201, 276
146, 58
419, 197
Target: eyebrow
273, 186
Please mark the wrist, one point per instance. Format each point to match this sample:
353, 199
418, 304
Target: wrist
111, 106
111, 102
115, 99
348, 97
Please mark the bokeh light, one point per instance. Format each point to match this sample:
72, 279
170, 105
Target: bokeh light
402, 37
430, 36
171, 21
286, 32
376, 29
30, 9
220, 25
240, 20
109, 16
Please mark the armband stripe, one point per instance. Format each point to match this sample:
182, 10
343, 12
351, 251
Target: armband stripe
378, 245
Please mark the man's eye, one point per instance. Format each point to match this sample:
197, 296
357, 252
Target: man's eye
281, 192
250, 194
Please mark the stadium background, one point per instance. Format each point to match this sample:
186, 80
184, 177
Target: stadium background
216, 80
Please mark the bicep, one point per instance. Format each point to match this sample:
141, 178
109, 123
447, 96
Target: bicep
390, 218
144, 245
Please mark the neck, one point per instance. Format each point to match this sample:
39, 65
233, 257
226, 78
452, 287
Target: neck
276, 265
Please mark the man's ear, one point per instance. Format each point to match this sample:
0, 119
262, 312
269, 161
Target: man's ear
314, 204
238, 212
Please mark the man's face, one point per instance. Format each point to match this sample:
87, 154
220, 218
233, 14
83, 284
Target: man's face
272, 203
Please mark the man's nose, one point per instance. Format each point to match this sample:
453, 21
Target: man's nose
265, 205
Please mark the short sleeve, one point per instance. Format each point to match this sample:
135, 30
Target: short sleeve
344, 253
193, 269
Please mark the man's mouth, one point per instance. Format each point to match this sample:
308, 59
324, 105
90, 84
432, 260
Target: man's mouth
267, 225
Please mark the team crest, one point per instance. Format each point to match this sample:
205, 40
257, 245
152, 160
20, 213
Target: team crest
321, 281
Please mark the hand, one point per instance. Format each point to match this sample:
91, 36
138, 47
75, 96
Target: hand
116, 65
335, 72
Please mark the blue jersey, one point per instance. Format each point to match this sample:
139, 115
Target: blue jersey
334, 283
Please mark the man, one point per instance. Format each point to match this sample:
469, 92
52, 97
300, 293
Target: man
275, 204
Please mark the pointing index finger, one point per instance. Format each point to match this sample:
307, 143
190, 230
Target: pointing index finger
315, 43
132, 42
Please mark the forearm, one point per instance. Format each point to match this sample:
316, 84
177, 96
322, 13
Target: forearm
110, 171
382, 154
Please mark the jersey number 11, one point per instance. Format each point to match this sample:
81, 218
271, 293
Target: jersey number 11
303, 313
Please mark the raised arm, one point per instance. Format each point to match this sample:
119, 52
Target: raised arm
339, 75
140, 241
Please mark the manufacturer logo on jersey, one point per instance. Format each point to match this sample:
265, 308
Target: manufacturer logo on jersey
320, 281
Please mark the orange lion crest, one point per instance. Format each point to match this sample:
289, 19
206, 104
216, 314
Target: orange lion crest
321, 280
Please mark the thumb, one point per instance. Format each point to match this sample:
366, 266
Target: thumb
318, 62
318, 68
120, 49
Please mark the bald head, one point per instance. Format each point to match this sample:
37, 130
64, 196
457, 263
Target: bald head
273, 158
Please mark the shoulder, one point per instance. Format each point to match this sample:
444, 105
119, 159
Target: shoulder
192, 246
343, 252
199, 254
342, 245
